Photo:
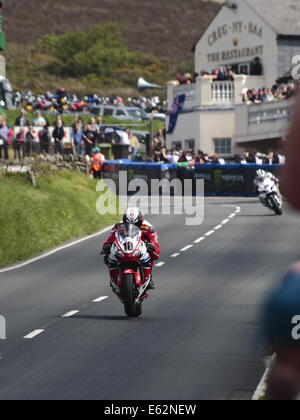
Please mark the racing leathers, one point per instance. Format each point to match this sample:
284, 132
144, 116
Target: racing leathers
149, 236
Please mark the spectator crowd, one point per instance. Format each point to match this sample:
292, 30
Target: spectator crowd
36, 137
175, 156
223, 73
264, 95
62, 102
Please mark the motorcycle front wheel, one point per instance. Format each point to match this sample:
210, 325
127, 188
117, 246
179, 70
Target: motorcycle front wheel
129, 293
276, 207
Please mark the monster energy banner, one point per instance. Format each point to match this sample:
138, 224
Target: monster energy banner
230, 180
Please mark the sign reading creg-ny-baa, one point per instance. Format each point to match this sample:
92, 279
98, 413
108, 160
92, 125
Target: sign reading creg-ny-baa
235, 29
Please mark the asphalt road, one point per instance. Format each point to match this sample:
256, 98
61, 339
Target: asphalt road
198, 337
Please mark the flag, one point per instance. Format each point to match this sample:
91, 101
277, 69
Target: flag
175, 111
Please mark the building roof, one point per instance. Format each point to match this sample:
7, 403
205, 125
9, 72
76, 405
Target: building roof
282, 15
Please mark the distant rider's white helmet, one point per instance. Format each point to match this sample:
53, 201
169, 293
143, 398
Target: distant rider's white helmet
261, 173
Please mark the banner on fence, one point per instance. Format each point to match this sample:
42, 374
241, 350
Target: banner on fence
219, 180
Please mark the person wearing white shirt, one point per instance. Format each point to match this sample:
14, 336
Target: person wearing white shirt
39, 121
173, 157
124, 138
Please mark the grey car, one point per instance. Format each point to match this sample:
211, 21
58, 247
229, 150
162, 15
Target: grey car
122, 113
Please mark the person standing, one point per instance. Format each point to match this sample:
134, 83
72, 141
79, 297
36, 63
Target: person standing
97, 163
39, 120
135, 144
19, 145
89, 140
31, 142
160, 138
59, 135
95, 129
22, 120
77, 140
6, 135
45, 140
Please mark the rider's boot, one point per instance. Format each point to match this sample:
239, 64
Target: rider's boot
147, 271
113, 272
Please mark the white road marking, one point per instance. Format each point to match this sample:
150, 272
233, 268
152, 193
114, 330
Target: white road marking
186, 248
210, 233
175, 255
197, 241
70, 314
54, 251
218, 227
33, 334
160, 264
100, 299
262, 386
232, 216
225, 222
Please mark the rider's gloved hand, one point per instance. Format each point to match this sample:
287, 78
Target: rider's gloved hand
150, 248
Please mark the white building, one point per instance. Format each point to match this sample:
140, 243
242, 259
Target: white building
214, 118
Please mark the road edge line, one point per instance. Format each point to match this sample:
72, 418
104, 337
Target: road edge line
54, 251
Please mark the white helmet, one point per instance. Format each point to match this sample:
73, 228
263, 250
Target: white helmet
134, 216
261, 173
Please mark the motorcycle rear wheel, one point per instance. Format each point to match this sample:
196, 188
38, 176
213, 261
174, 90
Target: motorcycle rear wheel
129, 289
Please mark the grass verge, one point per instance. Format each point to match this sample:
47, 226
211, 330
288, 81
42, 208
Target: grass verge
62, 207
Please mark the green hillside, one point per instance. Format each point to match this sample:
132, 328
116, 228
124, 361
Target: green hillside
110, 43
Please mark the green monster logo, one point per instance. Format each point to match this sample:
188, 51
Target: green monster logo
218, 181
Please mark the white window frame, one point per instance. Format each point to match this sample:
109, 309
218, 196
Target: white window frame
225, 149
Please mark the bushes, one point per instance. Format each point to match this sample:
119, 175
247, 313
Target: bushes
97, 53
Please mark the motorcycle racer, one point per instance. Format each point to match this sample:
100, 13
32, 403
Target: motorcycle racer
149, 236
261, 175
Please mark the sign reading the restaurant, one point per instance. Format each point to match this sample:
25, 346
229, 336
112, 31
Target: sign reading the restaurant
236, 54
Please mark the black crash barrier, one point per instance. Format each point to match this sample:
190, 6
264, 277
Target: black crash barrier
219, 180
122, 172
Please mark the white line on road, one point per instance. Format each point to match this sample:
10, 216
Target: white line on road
210, 233
70, 314
160, 264
33, 334
197, 241
186, 248
232, 215
225, 222
218, 227
100, 299
54, 251
175, 255
262, 386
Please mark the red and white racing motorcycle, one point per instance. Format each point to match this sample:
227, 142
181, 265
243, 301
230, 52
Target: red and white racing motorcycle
128, 251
